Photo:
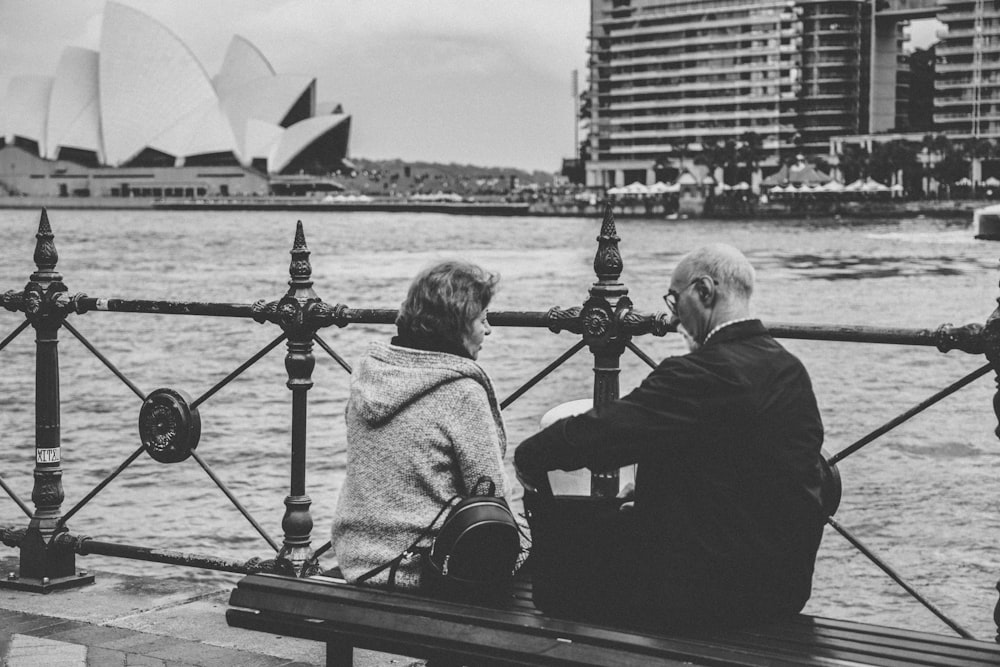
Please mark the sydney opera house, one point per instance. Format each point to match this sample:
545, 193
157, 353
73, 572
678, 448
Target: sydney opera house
142, 118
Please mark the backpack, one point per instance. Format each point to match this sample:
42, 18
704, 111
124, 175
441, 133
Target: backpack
475, 552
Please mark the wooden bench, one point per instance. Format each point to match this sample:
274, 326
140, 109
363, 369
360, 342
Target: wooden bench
346, 616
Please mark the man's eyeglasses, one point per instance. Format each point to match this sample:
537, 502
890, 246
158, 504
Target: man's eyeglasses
671, 297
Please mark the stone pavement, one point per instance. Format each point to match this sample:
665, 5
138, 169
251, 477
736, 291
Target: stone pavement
123, 620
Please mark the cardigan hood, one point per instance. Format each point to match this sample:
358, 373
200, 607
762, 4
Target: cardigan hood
391, 378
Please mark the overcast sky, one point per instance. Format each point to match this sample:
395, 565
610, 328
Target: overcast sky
482, 82
485, 82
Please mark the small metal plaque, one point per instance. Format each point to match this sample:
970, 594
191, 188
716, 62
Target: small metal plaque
48, 455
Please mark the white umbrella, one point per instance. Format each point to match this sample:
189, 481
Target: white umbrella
742, 185
833, 186
659, 188
992, 182
871, 185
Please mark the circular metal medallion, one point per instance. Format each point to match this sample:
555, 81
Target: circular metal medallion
168, 427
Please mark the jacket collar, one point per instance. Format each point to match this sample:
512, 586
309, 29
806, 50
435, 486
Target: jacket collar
736, 331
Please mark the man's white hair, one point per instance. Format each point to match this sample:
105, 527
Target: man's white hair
726, 264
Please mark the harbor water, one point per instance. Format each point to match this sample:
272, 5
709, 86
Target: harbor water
924, 497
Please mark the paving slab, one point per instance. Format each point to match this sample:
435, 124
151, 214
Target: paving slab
125, 620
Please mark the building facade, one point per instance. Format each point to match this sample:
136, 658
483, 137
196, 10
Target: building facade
967, 72
669, 79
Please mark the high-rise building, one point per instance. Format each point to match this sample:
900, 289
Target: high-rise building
669, 79
967, 100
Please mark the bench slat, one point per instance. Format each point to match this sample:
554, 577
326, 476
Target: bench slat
431, 638
330, 610
913, 647
340, 604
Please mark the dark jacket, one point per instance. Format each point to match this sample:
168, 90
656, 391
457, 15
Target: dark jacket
727, 441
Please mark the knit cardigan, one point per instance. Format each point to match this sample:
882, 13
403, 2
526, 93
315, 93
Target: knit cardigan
422, 427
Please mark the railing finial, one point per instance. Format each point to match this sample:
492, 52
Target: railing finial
608, 260
299, 269
46, 257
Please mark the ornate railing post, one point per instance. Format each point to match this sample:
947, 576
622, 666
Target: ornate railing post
44, 301
600, 318
607, 322
298, 314
991, 343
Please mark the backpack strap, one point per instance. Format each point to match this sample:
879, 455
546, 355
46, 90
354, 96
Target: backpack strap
408, 552
491, 487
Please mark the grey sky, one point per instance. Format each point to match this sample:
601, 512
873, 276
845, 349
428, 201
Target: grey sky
469, 81
485, 82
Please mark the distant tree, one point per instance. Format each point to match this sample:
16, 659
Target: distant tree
853, 160
891, 157
749, 152
720, 155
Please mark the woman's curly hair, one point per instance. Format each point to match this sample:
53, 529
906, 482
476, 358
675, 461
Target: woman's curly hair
444, 299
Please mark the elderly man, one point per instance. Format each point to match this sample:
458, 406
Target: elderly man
727, 511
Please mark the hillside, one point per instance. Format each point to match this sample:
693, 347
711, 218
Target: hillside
388, 177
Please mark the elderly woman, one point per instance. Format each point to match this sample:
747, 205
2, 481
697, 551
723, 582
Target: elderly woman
423, 423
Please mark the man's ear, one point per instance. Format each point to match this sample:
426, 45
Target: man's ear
706, 291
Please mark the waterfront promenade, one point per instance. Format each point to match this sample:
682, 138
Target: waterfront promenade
123, 620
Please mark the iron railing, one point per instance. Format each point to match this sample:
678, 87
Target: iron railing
606, 323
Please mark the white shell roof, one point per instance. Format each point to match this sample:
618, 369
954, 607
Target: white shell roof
25, 108
243, 63
145, 88
202, 130
74, 113
267, 99
261, 137
149, 81
298, 137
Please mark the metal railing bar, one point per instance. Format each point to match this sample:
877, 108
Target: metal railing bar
166, 307
13, 496
336, 357
895, 577
854, 333
219, 483
88, 547
232, 376
920, 407
642, 355
97, 489
344, 316
93, 350
579, 345
14, 334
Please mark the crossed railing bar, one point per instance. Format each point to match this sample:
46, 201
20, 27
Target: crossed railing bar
596, 332
912, 412
333, 354
13, 496
13, 334
239, 370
